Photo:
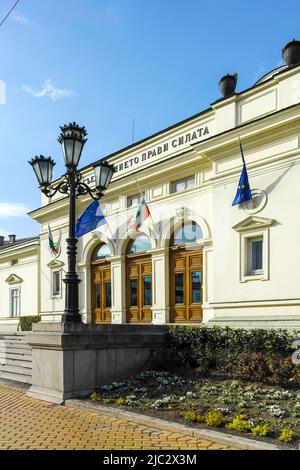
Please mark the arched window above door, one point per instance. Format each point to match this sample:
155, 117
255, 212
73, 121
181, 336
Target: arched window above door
186, 234
139, 244
101, 252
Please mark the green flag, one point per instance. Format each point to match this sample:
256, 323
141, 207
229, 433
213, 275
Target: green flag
50, 239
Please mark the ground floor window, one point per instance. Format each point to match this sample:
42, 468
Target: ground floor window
15, 302
56, 283
255, 255
254, 248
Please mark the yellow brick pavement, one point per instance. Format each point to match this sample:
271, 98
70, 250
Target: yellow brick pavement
26, 423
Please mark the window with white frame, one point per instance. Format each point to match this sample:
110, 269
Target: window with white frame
254, 248
15, 302
183, 184
255, 255
56, 283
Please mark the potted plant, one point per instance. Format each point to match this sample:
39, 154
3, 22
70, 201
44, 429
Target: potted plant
227, 84
291, 53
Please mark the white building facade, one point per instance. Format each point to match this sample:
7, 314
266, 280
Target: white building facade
198, 260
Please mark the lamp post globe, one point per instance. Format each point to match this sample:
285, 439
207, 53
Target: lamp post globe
43, 169
103, 174
72, 139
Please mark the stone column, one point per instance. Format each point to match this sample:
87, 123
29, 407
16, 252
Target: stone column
207, 280
118, 280
160, 286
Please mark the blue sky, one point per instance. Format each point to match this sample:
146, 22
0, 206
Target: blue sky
102, 63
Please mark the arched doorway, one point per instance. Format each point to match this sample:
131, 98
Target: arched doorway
139, 280
101, 285
186, 274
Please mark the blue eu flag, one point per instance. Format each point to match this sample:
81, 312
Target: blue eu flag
243, 193
91, 219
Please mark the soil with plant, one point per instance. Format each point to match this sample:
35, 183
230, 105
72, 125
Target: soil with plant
258, 411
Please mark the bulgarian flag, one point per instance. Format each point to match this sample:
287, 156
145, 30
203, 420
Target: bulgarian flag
142, 214
50, 239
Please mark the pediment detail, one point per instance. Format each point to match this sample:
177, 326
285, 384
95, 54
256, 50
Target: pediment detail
253, 223
14, 279
55, 264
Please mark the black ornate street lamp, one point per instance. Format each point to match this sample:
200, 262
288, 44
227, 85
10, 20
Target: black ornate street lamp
72, 140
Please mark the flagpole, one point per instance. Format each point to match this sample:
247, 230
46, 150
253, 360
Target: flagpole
244, 162
141, 194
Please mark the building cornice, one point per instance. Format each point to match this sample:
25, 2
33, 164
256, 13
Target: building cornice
20, 250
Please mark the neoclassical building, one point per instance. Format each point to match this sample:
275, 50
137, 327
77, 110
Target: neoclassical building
199, 259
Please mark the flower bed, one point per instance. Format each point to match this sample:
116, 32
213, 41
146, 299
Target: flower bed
256, 410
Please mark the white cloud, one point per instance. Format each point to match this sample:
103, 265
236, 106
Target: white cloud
12, 209
49, 90
18, 18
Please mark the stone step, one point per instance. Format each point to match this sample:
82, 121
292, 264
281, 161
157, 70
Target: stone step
16, 355
16, 377
14, 362
15, 369
12, 333
15, 338
5, 346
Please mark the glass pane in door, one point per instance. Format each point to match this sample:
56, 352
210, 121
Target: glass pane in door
196, 287
98, 295
179, 288
133, 292
147, 290
108, 294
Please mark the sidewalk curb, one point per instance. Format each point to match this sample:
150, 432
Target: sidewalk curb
242, 443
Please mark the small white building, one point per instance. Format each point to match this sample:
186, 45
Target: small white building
198, 260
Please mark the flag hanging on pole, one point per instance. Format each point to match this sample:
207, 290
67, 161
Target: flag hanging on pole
142, 214
90, 219
50, 239
243, 193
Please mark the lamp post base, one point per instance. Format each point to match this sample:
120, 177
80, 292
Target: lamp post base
71, 312
71, 318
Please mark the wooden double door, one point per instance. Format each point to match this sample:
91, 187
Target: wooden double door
186, 270
139, 288
101, 292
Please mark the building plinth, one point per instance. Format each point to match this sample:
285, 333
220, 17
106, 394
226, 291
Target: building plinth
72, 360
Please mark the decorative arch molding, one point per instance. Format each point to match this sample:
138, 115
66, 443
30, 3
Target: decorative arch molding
131, 234
13, 279
177, 223
91, 245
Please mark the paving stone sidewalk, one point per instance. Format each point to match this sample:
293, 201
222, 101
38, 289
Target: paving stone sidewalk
26, 423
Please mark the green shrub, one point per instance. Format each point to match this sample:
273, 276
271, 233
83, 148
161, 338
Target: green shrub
94, 397
191, 416
261, 430
247, 366
239, 423
107, 401
257, 355
214, 418
286, 435
120, 401
282, 370
25, 323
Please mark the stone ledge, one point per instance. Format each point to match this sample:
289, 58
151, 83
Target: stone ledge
89, 337
58, 327
242, 443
